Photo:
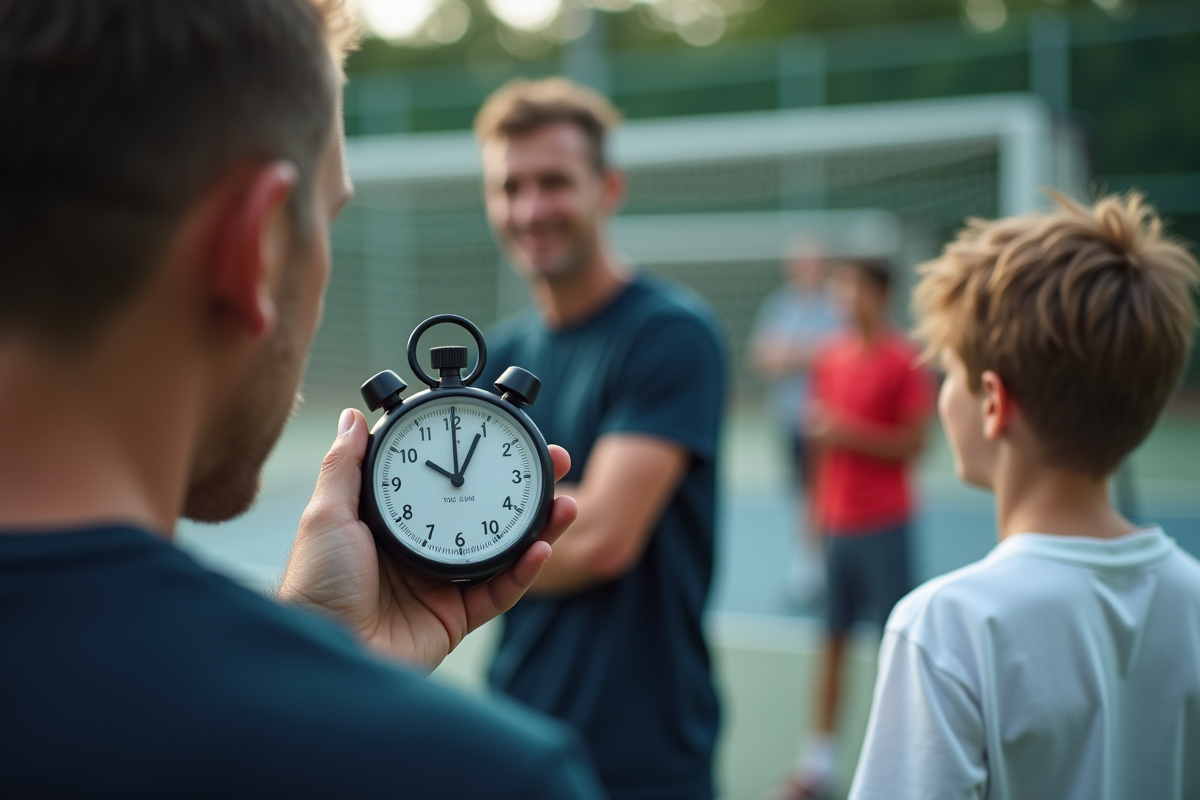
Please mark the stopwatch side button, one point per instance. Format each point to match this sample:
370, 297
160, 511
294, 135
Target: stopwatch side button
519, 386
383, 391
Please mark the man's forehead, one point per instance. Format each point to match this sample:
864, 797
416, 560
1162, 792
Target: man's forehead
546, 146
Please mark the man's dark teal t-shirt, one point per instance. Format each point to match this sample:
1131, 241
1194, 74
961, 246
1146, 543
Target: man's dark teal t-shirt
625, 663
129, 671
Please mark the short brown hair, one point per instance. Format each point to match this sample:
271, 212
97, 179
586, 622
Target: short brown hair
1085, 313
875, 271
522, 106
116, 116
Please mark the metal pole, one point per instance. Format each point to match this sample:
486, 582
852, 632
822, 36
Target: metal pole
585, 59
1050, 60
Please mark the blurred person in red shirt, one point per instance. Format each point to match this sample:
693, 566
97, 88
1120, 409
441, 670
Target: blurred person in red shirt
870, 401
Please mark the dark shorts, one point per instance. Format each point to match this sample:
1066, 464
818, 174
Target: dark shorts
866, 575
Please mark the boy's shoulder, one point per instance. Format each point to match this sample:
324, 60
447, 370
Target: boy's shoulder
1027, 582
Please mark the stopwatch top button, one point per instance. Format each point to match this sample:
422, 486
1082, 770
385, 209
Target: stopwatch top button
454, 357
383, 391
519, 386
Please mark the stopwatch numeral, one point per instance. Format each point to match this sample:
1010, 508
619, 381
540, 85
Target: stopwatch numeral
408, 456
459, 540
426, 434
516, 476
490, 526
408, 512
507, 502
396, 484
483, 425
507, 448
430, 531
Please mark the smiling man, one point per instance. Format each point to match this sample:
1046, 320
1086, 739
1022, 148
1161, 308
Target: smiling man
634, 377
169, 171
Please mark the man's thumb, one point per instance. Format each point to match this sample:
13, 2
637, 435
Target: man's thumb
340, 481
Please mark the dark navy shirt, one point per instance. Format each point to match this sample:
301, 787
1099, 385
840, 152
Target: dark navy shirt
625, 663
129, 671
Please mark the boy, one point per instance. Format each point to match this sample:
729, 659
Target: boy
1066, 664
870, 403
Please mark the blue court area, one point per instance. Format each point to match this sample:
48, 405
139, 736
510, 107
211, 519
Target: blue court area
954, 525
764, 648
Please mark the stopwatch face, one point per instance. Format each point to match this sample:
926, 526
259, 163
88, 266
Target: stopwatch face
458, 481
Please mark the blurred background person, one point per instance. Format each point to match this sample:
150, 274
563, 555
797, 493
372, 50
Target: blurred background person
870, 403
633, 380
792, 322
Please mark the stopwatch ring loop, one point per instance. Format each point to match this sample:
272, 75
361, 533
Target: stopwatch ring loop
453, 319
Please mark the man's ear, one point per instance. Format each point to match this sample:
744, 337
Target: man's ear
998, 405
251, 237
613, 188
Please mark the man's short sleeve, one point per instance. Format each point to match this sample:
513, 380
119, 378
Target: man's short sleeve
926, 736
672, 386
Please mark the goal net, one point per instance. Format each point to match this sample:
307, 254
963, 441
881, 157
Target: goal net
713, 203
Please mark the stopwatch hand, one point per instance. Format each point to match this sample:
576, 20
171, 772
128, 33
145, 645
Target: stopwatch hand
440, 471
470, 453
454, 438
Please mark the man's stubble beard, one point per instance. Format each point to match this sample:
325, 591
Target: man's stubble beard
245, 435
567, 268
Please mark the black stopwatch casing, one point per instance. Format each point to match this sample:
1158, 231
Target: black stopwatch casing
519, 388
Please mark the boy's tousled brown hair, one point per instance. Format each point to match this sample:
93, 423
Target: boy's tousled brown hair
1086, 314
521, 106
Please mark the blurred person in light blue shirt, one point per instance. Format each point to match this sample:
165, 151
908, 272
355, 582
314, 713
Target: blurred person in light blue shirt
792, 322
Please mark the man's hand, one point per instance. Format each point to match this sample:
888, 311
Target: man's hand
889, 442
776, 357
334, 568
820, 427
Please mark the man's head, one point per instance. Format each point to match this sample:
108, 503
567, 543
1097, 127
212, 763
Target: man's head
862, 287
806, 266
1078, 322
141, 137
548, 186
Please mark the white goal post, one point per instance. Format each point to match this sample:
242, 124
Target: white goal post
713, 202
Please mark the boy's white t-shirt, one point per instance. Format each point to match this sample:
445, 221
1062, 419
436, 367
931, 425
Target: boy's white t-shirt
1057, 667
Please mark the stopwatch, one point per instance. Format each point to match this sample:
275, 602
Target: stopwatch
457, 482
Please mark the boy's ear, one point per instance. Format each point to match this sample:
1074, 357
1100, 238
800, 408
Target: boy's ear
998, 405
251, 237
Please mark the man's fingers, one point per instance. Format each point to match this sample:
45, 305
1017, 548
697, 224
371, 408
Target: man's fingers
562, 461
501, 593
340, 481
562, 514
